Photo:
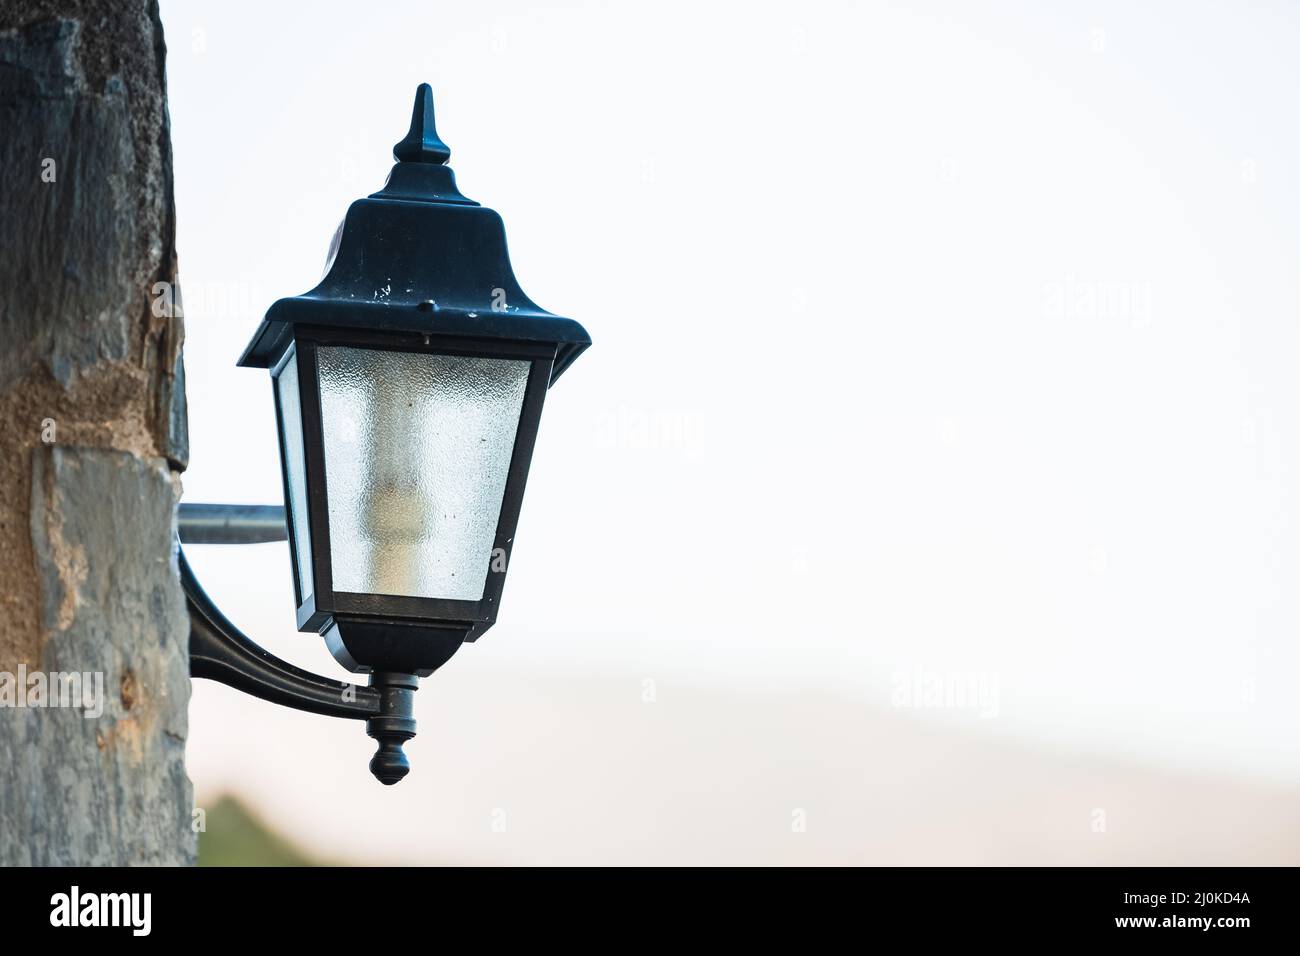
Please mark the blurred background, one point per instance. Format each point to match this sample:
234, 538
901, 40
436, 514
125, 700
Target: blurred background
929, 493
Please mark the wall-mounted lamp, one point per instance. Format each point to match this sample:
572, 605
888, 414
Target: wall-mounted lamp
408, 389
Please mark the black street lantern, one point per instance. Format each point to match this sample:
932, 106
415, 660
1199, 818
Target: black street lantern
408, 389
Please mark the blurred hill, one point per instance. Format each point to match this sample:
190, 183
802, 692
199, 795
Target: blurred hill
236, 837
535, 768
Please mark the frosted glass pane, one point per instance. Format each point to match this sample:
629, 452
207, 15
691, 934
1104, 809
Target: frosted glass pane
417, 448
291, 448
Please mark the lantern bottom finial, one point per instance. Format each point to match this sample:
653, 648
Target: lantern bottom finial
389, 764
394, 726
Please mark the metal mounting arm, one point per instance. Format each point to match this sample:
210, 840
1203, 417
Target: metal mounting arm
219, 651
231, 524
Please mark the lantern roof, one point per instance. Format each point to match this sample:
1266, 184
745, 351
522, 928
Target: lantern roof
418, 257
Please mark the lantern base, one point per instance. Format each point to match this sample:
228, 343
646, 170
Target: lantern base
375, 645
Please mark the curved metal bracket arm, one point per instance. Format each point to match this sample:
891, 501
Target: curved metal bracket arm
220, 651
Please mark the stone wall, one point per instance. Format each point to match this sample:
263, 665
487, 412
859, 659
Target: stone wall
92, 439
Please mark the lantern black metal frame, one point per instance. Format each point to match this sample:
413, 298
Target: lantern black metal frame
324, 603
414, 268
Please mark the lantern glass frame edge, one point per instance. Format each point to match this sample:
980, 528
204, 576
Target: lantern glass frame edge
317, 611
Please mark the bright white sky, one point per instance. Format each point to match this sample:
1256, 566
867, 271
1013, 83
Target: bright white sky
950, 337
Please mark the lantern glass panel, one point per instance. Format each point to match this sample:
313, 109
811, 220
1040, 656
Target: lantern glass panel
291, 440
417, 452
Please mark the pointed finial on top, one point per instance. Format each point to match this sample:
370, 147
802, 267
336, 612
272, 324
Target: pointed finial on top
422, 144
